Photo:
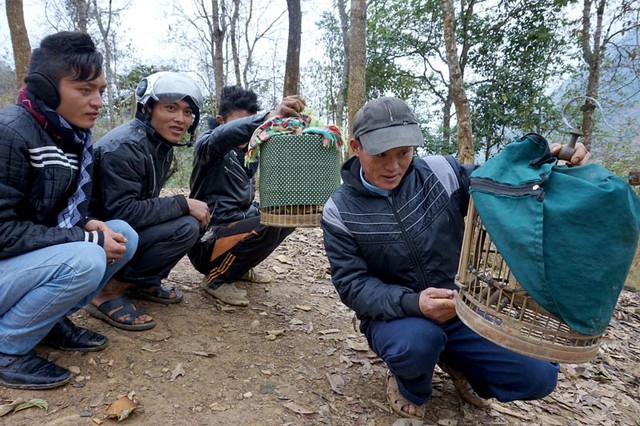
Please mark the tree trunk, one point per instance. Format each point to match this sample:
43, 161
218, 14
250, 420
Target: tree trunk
19, 39
463, 112
344, 81
218, 44
235, 16
593, 57
105, 30
83, 17
358, 56
292, 67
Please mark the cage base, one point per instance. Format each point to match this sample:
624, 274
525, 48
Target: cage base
525, 338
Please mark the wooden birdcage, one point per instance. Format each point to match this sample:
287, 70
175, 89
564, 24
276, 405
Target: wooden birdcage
494, 304
298, 174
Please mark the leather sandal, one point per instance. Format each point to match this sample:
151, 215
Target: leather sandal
397, 401
111, 310
157, 293
463, 387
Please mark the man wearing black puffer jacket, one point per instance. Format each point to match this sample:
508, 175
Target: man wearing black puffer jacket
235, 241
133, 162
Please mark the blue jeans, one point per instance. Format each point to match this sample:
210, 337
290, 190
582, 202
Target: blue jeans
38, 288
412, 346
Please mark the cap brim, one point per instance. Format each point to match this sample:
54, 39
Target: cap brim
382, 140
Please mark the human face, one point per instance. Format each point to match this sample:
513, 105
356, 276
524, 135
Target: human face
171, 119
81, 100
233, 115
384, 170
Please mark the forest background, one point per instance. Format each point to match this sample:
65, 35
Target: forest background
478, 73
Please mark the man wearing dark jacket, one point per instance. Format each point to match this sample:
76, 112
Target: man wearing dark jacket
133, 162
53, 259
392, 234
235, 240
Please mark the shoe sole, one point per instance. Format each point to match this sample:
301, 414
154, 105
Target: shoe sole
95, 312
66, 349
36, 387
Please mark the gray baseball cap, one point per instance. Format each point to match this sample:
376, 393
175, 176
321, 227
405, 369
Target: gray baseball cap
386, 123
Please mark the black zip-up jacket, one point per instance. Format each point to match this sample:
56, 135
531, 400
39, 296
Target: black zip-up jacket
219, 177
36, 180
384, 250
131, 166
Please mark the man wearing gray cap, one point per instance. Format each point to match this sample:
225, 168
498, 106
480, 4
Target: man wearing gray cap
393, 233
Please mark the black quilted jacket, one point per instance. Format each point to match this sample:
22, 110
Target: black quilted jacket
219, 176
384, 250
36, 179
130, 169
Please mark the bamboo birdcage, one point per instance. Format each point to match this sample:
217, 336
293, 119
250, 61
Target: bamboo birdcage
297, 176
493, 304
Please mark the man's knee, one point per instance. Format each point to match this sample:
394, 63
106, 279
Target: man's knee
414, 352
541, 380
87, 269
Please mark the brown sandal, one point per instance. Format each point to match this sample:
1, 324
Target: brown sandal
397, 401
463, 387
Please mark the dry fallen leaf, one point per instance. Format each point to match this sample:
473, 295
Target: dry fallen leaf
298, 409
178, 371
336, 381
284, 259
216, 406
278, 270
121, 408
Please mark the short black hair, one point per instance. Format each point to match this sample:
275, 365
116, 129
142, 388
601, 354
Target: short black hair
212, 123
67, 54
234, 98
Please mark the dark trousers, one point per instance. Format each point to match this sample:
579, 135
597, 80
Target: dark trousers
160, 247
412, 346
226, 252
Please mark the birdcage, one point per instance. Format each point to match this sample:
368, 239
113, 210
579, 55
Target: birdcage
297, 176
493, 304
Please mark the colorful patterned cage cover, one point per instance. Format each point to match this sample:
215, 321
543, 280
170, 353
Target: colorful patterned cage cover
297, 176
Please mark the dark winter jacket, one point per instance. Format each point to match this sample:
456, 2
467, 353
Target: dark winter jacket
131, 166
384, 250
219, 176
36, 180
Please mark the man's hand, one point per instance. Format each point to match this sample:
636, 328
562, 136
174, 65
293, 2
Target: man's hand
438, 304
580, 157
199, 210
114, 242
290, 106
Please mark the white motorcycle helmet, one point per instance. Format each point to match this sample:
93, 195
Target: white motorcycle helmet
172, 86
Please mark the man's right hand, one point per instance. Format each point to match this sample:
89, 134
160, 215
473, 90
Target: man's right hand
114, 244
438, 304
290, 106
199, 210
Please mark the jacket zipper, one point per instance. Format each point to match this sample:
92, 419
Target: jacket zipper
153, 167
410, 244
492, 187
234, 174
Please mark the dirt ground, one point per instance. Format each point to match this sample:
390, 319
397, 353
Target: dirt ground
293, 358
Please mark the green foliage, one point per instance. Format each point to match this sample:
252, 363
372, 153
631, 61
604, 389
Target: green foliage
181, 167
